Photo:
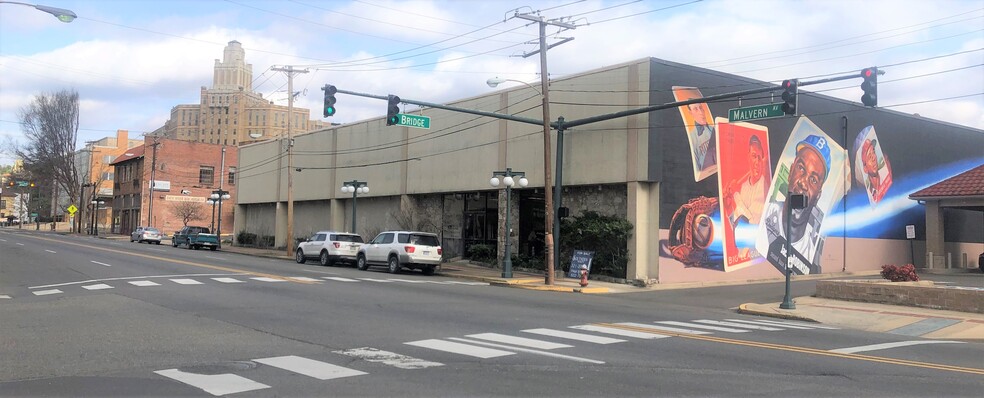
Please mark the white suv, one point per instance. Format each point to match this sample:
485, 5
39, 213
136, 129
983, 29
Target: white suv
402, 249
329, 247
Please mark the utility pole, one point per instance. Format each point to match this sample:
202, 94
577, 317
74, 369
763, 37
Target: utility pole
289, 70
549, 243
153, 170
221, 192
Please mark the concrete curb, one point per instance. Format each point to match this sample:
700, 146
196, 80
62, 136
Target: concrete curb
545, 288
743, 309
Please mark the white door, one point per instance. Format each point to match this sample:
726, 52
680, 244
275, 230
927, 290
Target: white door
378, 249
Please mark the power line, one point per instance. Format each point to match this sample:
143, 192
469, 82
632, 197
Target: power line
644, 12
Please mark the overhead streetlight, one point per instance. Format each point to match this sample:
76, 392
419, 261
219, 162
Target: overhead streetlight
495, 81
355, 187
508, 180
60, 13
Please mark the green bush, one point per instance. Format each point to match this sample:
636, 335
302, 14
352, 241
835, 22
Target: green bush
528, 262
267, 241
245, 238
482, 252
606, 236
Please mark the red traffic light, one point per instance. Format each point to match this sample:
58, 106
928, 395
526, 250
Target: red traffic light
868, 72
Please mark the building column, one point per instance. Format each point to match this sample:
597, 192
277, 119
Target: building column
642, 210
934, 235
336, 216
281, 225
238, 223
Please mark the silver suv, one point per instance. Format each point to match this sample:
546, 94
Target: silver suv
402, 249
329, 247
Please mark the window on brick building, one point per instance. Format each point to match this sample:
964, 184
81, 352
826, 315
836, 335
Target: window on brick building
232, 176
206, 175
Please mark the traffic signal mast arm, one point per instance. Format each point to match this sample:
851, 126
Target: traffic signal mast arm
567, 124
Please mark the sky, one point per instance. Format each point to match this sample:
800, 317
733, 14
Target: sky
131, 61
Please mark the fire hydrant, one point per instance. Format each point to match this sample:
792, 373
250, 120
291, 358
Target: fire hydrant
584, 275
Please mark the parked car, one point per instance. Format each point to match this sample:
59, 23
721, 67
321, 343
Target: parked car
146, 234
195, 238
402, 249
329, 247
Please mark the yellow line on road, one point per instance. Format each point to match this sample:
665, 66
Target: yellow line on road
805, 350
194, 264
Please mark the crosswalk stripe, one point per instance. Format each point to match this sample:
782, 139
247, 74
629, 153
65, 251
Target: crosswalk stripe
574, 336
220, 384
309, 367
265, 279
527, 350
619, 332
144, 283
873, 347
4, 296
389, 358
738, 325
47, 292
99, 286
692, 325
458, 348
186, 281
438, 282
228, 280
657, 328
375, 280
469, 283
768, 324
801, 324
304, 279
340, 279
520, 341
409, 281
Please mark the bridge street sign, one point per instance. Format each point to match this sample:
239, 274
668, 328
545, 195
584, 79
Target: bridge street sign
766, 111
420, 122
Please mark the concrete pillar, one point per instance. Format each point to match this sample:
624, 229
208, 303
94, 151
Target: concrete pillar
238, 222
281, 225
336, 216
934, 234
642, 210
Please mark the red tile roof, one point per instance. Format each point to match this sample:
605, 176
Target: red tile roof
131, 153
968, 183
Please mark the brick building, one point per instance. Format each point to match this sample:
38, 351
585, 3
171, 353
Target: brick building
183, 172
96, 173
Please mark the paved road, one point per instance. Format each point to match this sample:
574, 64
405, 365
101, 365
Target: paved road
92, 317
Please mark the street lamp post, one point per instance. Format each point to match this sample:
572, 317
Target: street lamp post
219, 195
508, 180
60, 13
212, 202
355, 187
95, 215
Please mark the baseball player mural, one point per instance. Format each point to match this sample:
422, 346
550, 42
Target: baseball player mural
871, 167
743, 183
700, 132
813, 165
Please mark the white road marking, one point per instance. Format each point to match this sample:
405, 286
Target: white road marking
46, 292
20, 244
527, 350
157, 250
228, 280
768, 324
436, 282
409, 281
50, 251
657, 328
458, 348
340, 279
620, 332
693, 325
303, 278
873, 347
100, 286
221, 384
3, 240
144, 283
4, 296
520, 341
217, 258
375, 280
129, 277
96, 262
265, 279
469, 283
186, 281
737, 325
784, 324
389, 358
309, 367
574, 336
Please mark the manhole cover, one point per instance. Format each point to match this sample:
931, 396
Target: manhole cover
219, 368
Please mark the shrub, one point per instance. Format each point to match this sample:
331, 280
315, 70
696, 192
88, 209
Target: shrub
245, 238
267, 241
482, 252
894, 273
528, 262
606, 236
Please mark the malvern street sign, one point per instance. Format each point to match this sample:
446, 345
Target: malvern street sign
755, 112
420, 122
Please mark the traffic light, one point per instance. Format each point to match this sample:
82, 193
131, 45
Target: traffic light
789, 88
329, 99
869, 86
393, 110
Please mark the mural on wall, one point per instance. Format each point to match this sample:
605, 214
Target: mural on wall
700, 132
813, 165
871, 167
743, 182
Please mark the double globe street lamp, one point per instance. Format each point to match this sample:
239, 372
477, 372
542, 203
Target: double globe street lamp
508, 179
95, 216
355, 187
218, 196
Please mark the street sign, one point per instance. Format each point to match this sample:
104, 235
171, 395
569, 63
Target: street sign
755, 112
420, 122
910, 231
22, 183
579, 258
72, 209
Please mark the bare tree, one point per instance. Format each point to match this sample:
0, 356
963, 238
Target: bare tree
50, 124
188, 211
